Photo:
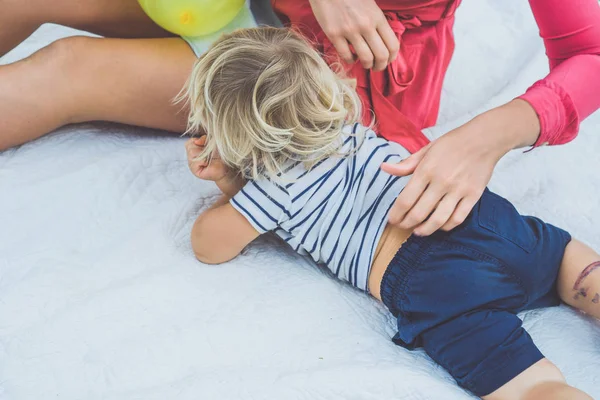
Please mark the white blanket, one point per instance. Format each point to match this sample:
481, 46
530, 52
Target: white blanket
101, 298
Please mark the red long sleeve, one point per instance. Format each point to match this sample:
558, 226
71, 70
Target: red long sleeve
571, 91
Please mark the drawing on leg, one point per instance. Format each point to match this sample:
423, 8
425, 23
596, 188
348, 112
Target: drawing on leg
582, 291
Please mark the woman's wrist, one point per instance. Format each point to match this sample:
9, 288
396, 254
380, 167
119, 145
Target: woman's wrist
511, 126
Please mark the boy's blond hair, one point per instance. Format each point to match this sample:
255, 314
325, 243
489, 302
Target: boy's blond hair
264, 97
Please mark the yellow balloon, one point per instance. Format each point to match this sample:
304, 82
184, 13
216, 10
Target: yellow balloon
192, 17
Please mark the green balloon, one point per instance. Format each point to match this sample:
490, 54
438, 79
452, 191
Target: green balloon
192, 17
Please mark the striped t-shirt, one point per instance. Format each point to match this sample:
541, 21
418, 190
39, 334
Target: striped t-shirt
335, 212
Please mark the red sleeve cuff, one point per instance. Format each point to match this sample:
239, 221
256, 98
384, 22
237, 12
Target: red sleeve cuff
559, 120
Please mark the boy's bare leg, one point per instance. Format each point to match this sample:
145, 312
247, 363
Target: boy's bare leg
578, 286
541, 381
579, 278
555, 391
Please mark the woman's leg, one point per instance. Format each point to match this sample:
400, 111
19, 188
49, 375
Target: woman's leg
77, 79
82, 79
111, 18
579, 278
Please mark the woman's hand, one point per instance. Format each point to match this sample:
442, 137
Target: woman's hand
226, 179
451, 173
362, 24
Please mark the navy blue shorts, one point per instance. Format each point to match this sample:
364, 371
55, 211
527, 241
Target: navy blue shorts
457, 294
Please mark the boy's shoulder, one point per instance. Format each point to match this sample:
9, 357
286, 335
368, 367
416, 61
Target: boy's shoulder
358, 142
357, 129
368, 141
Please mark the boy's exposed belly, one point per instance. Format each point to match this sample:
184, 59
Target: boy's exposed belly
389, 244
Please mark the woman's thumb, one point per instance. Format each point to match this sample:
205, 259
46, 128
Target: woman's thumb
406, 166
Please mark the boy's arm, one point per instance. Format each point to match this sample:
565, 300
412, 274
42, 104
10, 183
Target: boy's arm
221, 232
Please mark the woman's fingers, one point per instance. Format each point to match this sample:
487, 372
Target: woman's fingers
363, 51
408, 165
341, 45
360, 23
440, 216
373, 48
407, 199
423, 207
390, 39
379, 50
403, 168
461, 212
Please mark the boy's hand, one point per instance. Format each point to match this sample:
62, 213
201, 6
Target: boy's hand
214, 170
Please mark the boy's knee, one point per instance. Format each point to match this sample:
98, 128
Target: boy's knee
529, 383
546, 382
548, 370
555, 391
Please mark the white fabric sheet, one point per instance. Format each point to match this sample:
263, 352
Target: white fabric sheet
101, 298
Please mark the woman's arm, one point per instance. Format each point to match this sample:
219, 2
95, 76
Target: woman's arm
451, 173
571, 92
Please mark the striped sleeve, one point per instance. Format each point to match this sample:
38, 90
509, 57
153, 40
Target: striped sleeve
263, 203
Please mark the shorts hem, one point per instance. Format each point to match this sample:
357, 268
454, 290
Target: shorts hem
492, 379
